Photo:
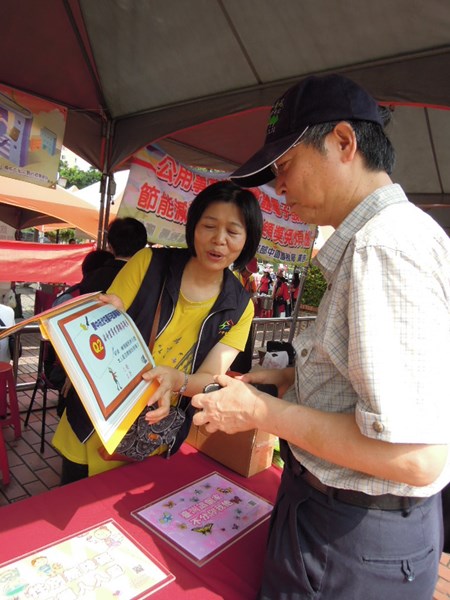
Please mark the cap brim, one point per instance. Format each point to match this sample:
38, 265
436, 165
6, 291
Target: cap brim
256, 171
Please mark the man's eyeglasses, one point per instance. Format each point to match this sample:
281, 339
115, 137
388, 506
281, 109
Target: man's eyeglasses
274, 167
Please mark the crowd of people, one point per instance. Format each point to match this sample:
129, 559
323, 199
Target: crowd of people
281, 287
363, 414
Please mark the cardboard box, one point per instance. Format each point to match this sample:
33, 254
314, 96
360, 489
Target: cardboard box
247, 453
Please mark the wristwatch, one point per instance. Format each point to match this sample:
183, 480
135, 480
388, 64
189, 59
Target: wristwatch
184, 386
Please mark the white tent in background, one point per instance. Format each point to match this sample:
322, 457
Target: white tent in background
323, 233
91, 193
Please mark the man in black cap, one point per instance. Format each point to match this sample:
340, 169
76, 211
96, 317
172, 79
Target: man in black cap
365, 411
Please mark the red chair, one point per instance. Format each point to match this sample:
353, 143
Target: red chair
9, 414
9, 406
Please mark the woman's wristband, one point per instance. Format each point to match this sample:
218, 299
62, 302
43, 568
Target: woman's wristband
185, 384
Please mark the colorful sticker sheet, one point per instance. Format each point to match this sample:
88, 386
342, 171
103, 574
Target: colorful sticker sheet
98, 563
203, 518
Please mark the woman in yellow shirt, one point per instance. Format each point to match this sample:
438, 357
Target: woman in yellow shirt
205, 317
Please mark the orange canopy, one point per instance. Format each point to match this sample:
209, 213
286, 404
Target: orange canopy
25, 205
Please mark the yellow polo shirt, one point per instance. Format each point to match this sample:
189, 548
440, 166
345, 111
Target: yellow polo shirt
173, 348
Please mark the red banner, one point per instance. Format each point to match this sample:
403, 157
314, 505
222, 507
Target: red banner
160, 190
44, 263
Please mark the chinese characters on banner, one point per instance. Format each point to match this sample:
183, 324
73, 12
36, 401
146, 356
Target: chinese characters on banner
160, 190
31, 136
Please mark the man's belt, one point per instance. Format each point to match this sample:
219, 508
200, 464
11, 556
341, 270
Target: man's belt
381, 502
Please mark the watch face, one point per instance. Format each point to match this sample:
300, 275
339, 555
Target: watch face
211, 387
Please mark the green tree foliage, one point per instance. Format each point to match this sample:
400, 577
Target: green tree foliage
78, 177
314, 287
61, 235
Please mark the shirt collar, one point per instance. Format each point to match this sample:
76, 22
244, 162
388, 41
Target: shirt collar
331, 253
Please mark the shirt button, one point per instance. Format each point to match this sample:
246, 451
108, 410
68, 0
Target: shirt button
378, 427
304, 352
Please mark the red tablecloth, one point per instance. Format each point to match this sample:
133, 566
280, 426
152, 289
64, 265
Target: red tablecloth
47, 518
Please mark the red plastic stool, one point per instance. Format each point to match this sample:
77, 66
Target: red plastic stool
9, 406
4, 466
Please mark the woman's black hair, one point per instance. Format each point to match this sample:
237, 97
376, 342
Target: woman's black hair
126, 236
94, 260
227, 191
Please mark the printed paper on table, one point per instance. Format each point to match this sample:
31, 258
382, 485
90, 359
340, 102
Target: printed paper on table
101, 562
104, 356
204, 518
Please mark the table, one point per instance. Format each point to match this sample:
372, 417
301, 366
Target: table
49, 517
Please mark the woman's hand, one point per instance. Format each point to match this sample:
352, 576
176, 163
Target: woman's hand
66, 387
112, 299
170, 381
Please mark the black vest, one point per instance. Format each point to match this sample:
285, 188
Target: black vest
166, 269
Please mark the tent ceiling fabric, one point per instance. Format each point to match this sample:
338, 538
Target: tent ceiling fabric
200, 75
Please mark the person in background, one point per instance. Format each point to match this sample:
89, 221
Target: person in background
91, 262
246, 276
365, 415
204, 320
265, 283
99, 268
264, 288
7, 296
243, 361
6, 320
125, 237
280, 296
294, 288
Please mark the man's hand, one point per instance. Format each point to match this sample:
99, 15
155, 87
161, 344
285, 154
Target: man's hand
282, 378
231, 409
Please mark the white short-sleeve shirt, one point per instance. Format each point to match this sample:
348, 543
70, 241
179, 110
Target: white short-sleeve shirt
380, 345
7, 316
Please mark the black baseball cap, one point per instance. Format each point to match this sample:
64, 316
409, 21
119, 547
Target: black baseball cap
311, 101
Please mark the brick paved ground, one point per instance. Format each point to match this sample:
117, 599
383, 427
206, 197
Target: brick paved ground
34, 473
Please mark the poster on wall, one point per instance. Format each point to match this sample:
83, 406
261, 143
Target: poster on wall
160, 190
31, 137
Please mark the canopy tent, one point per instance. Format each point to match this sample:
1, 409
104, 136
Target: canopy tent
91, 193
25, 205
199, 76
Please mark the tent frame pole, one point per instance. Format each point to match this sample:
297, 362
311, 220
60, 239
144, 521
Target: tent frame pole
107, 189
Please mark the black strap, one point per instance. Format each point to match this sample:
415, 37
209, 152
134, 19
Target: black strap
151, 342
